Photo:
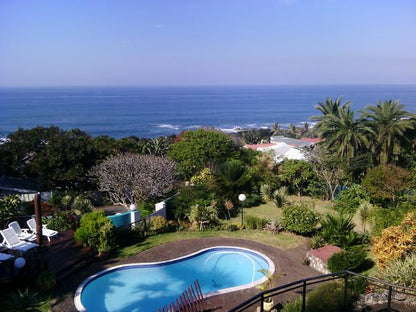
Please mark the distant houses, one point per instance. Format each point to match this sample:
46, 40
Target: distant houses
284, 147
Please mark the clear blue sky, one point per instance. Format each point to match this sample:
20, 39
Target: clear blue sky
206, 42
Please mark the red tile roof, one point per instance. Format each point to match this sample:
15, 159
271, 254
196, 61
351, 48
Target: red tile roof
254, 147
324, 253
315, 140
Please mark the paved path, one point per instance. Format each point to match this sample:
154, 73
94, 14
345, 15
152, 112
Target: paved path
288, 264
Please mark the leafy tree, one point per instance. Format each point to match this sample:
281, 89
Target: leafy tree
128, 178
201, 148
350, 198
389, 122
8, 208
297, 173
386, 183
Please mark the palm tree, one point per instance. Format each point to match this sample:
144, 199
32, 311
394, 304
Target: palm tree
275, 128
389, 122
330, 107
343, 135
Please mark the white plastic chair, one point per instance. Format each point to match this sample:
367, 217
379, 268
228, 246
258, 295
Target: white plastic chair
23, 234
31, 223
13, 242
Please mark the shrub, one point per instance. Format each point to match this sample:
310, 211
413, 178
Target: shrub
61, 221
317, 241
349, 199
83, 205
339, 230
232, 227
252, 201
254, 223
26, 300
299, 219
8, 208
96, 231
382, 218
354, 260
202, 215
159, 225
326, 297
402, 271
294, 305
204, 177
395, 242
46, 281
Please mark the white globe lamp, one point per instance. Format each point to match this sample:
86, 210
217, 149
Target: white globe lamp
133, 207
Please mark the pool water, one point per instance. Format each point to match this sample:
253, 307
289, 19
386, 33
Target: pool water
149, 286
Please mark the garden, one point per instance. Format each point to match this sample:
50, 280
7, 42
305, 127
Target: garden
355, 190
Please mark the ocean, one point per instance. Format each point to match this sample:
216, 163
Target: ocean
159, 111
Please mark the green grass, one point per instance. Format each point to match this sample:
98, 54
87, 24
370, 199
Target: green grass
281, 240
270, 212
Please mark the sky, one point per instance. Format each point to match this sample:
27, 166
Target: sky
206, 42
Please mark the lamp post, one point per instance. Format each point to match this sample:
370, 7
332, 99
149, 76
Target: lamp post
242, 198
133, 210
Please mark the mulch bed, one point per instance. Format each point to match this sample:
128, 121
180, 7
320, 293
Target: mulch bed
288, 264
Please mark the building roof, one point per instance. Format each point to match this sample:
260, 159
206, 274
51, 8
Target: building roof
290, 141
312, 140
255, 147
324, 253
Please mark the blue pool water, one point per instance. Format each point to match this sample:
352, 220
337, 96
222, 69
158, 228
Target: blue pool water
147, 287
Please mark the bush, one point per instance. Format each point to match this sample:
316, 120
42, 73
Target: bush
61, 221
299, 219
46, 281
382, 218
294, 305
8, 208
317, 241
395, 242
354, 260
96, 231
252, 200
339, 230
326, 297
350, 198
160, 225
83, 205
254, 223
402, 271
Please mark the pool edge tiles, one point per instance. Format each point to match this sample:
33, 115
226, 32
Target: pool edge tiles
271, 268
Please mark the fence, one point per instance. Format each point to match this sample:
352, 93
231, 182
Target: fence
387, 297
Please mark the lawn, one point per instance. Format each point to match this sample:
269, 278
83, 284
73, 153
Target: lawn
270, 212
281, 240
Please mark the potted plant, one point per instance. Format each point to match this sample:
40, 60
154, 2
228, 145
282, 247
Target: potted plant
268, 302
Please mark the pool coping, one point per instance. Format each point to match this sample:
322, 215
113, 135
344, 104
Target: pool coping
80, 307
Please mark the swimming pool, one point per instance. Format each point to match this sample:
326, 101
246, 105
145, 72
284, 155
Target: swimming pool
144, 287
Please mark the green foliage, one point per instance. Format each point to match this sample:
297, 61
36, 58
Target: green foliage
195, 150
254, 223
354, 259
96, 231
232, 179
203, 216
402, 271
160, 225
8, 208
81, 204
253, 200
180, 206
382, 218
326, 297
266, 192
61, 221
296, 174
339, 230
299, 219
21, 301
350, 198
268, 283
205, 177
294, 305
317, 241
279, 197
256, 136
46, 281
386, 183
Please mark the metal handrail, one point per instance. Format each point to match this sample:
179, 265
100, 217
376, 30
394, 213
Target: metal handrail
303, 283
